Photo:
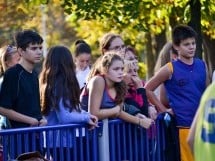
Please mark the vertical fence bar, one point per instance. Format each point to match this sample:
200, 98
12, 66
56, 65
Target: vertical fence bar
104, 154
95, 145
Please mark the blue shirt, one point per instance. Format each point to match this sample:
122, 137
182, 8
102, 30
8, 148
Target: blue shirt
64, 116
185, 89
107, 100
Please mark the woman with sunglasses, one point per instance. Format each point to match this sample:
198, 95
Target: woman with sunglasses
8, 58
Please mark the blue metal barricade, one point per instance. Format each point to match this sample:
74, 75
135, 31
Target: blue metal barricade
60, 143
129, 142
126, 142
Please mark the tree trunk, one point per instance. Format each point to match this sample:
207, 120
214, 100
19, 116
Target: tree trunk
195, 23
150, 59
160, 41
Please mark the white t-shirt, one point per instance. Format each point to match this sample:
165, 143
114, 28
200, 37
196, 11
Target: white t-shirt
81, 76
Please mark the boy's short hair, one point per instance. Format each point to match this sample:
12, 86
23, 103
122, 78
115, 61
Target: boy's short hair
26, 37
182, 32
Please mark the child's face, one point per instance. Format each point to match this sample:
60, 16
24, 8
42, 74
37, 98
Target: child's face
32, 54
187, 48
115, 71
129, 73
82, 61
130, 56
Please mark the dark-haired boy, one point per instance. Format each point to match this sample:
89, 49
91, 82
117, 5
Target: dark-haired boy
19, 95
185, 81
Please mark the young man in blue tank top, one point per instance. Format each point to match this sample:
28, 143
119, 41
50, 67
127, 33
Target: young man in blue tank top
185, 80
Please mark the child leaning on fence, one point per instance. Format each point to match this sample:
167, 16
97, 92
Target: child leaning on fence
105, 91
136, 93
60, 93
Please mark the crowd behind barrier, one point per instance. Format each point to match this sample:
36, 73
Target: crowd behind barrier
121, 142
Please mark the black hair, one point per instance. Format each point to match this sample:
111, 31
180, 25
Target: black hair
182, 32
26, 37
81, 47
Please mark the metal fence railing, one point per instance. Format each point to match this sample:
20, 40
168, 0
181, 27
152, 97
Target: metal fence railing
113, 140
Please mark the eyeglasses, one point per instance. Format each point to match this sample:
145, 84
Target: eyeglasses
11, 49
119, 47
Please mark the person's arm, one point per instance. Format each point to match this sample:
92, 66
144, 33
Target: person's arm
13, 115
143, 122
65, 116
96, 87
160, 77
152, 112
191, 136
43, 122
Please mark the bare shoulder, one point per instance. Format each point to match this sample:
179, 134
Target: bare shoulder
160, 77
165, 72
97, 81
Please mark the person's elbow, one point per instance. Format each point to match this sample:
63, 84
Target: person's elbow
5, 112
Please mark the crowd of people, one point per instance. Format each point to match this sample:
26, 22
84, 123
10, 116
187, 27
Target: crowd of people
72, 89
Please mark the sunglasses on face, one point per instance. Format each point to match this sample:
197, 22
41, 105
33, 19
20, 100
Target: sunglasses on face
11, 49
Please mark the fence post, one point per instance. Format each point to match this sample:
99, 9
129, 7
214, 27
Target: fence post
104, 153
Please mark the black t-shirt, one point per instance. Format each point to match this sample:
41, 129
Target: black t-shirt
20, 92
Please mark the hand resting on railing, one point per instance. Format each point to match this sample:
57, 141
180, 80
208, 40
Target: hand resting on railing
139, 119
93, 122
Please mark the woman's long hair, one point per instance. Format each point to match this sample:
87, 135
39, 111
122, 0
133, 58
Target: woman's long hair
58, 81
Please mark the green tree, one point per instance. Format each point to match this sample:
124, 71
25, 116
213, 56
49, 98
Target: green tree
151, 17
145, 24
35, 14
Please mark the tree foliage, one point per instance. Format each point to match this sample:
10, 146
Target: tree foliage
47, 18
144, 24
147, 17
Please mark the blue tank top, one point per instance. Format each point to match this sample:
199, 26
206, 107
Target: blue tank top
185, 88
107, 100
